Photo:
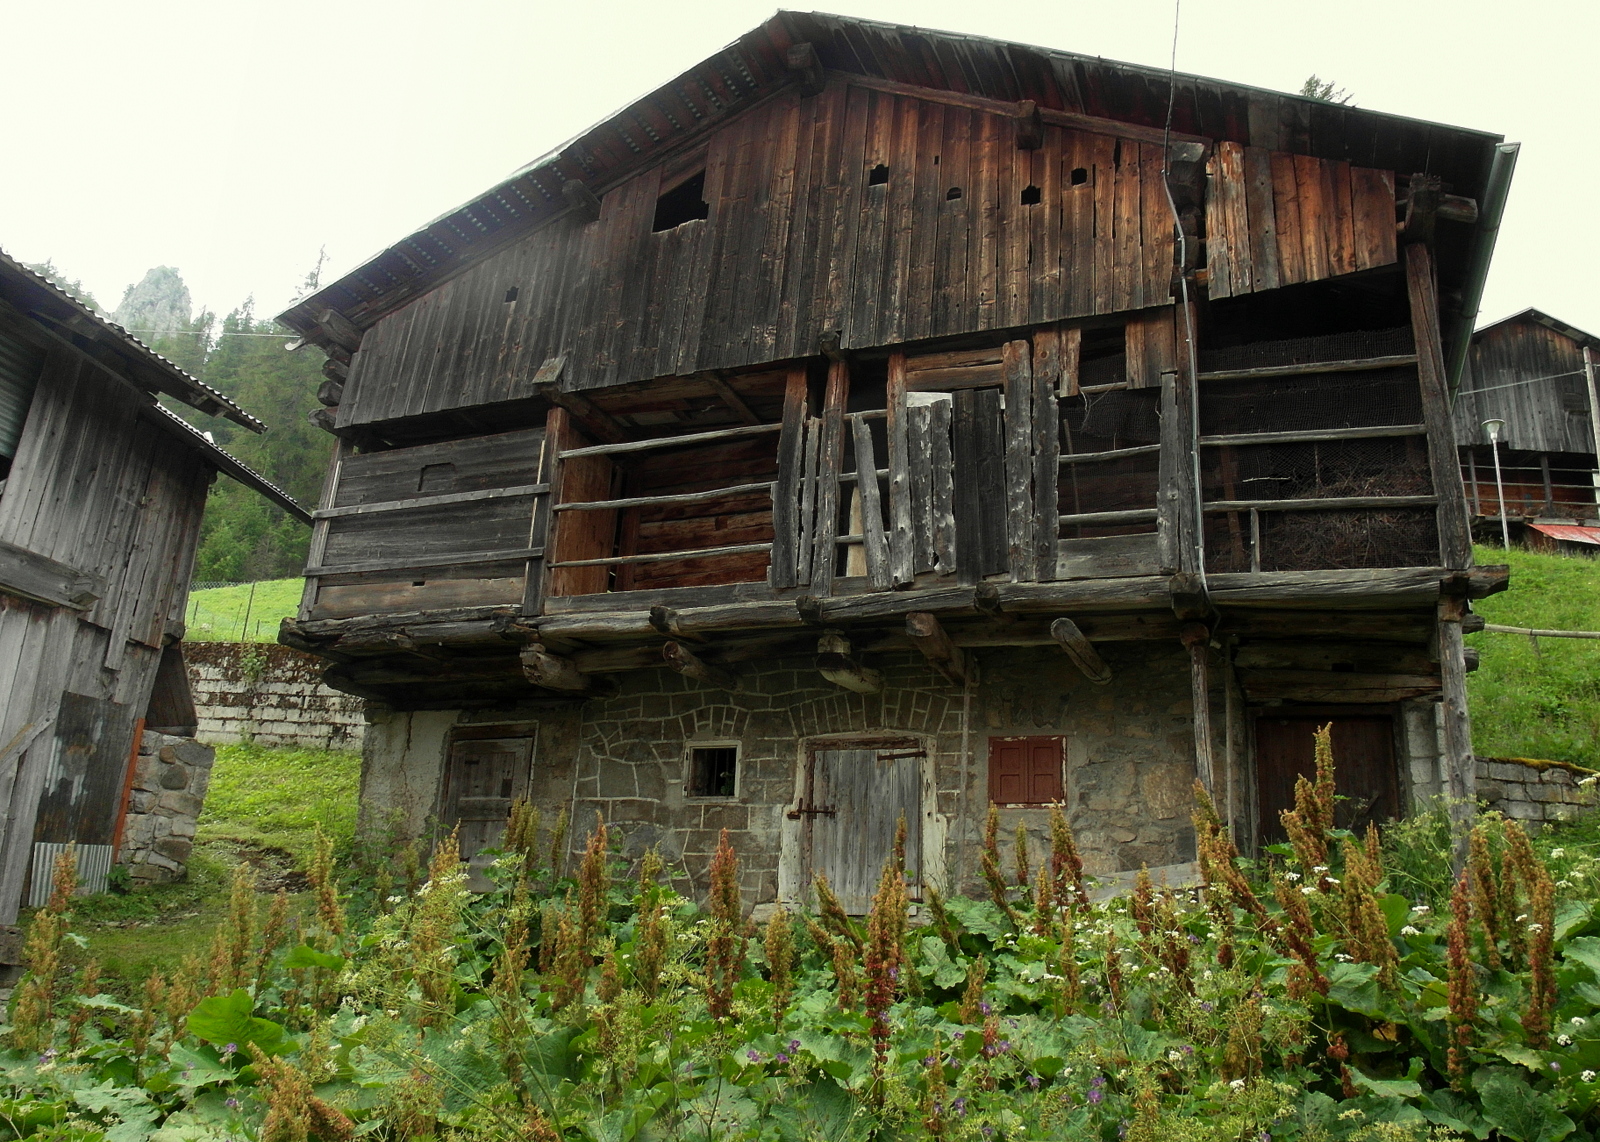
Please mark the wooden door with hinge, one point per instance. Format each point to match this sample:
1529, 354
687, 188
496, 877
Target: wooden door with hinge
1366, 778
483, 776
853, 803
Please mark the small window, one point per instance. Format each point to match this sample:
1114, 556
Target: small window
1080, 175
878, 175
952, 194
1026, 771
1030, 196
511, 295
683, 203
713, 771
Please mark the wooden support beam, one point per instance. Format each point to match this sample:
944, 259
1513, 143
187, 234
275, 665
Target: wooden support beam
830, 462
340, 330
1191, 601
581, 200
839, 666
29, 575
335, 369
1177, 502
732, 399
590, 417
1197, 638
901, 555
654, 442
1046, 454
929, 636
1029, 126
552, 672
786, 521
807, 68
1077, 647
330, 393
1460, 776
876, 539
687, 663
1018, 370
1455, 535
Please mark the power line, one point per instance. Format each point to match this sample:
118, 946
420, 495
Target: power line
1524, 381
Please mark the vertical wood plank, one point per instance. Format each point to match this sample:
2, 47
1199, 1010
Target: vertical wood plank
900, 526
1459, 764
1286, 213
830, 462
942, 506
920, 455
991, 450
1020, 548
1260, 202
1455, 537
874, 539
786, 493
968, 499
808, 503
1340, 230
1071, 354
1046, 452
1314, 217
1372, 204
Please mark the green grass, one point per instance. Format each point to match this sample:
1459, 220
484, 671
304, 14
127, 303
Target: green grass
233, 614
276, 798
1539, 700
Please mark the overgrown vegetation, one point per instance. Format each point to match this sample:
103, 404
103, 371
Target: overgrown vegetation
1539, 698
246, 612
280, 798
1305, 1000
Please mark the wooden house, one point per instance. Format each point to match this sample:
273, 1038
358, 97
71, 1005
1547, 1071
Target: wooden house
1537, 376
874, 423
101, 491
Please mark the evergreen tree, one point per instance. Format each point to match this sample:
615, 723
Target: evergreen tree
48, 270
1318, 88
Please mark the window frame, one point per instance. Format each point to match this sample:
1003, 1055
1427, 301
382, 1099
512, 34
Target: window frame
689, 770
1029, 776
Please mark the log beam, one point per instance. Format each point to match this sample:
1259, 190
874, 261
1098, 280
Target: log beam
1197, 638
690, 665
1460, 767
839, 666
1076, 645
552, 672
928, 635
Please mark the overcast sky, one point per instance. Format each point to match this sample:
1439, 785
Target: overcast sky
233, 140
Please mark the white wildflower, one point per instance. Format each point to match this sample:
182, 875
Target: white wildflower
1564, 1040
1535, 927
1291, 876
1208, 973
1590, 780
1307, 889
1408, 930
1557, 854
1320, 868
1563, 883
1174, 1056
1421, 910
1587, 1076
1577, 1021
1341, 957
1331, 879
1237, 1084
1521, 918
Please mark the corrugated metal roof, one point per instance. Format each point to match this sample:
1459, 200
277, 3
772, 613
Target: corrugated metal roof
1571, 533
229, 464
80, 320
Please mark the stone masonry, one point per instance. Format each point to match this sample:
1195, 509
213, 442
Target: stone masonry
1128, 758
169, 788
273, 695
1535, 792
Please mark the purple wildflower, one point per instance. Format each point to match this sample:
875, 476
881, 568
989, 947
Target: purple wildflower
780, 1057
1095, 1095
988, 1131
1208, 1007
754, 1056
959, 1106
1033, 1081
985, 1008
1555, 1066
232, 1104
794, 1045
230, 1049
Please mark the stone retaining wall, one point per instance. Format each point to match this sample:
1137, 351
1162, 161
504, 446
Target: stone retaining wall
273, 695
1535, 791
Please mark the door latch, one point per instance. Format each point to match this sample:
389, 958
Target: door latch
812, 811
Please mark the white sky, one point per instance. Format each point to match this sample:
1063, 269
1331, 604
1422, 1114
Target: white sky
233, 140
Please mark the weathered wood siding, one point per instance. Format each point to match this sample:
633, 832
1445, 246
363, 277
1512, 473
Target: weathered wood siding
799, 242
1275, 219
96, 488
1531, 377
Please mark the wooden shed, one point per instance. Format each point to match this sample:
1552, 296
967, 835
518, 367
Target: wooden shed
875, 422
101, 492
1536, 375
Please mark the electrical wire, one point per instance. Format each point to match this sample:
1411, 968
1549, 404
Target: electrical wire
1524, 381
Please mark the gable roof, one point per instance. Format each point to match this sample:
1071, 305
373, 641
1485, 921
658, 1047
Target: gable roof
69, 322
679, 112
1539, 317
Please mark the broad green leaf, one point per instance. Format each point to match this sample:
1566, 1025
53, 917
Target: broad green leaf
198, 1068
1386, 1088
1395, 910
979, 916
1454, 1112
1586, 951
937, 964
305, 956
223, 1019
1517, 1111
1354, 987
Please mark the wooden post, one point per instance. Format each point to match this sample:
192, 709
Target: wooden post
1080, 650
1018, 372
1455, 532
1589, 371
1178, 507
786, 493
690, 665
874, 542
929, 636
824, 557
901, 558
1197, 637
1460, 766
1046, 453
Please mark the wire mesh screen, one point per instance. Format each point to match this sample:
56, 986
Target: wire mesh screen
1331, 347
1311, 402
1102, 422
1319, 540
1396, 466
1128, 483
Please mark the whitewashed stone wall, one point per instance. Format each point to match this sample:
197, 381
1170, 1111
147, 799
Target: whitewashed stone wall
1535, 791
272, 695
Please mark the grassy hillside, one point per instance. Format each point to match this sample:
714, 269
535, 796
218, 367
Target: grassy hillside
1539, 698
234, 614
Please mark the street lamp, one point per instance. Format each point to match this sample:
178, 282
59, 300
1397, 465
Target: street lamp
1492, 428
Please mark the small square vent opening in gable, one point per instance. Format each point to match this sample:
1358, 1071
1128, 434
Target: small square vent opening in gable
713, 771
683, 203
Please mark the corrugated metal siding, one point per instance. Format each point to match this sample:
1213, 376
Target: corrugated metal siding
94, 869
20, 364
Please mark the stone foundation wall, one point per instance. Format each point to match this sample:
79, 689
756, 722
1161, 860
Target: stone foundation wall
256, 691
1535, 791
169, 788
1129, 768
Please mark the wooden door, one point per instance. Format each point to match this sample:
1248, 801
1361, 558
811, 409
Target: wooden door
1365, 776
854, 801
482, 778
956, 458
